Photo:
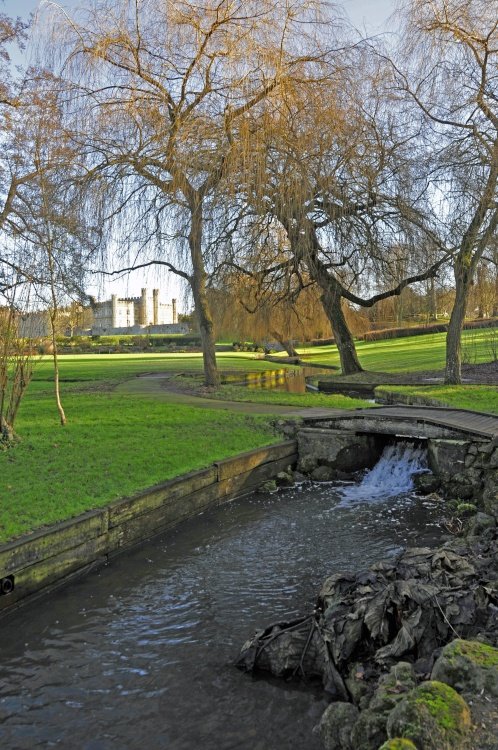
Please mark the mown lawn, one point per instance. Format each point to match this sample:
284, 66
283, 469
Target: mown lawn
413, 353
116, 443
112, 446
476, 397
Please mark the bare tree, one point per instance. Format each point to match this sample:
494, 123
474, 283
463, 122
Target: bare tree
453, 48
335, 171
168, 84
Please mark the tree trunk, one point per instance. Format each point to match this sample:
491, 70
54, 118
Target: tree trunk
198, 285
286, 343
331, 300
463, 280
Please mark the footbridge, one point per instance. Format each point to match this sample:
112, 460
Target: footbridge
409, 421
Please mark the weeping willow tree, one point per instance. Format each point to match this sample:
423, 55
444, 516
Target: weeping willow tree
162, 87
332, 166
449, 57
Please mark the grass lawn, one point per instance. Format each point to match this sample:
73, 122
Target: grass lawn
116, 443
477, 397
411, 353
266, 396
112, 446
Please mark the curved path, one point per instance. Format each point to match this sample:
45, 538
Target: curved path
462, 420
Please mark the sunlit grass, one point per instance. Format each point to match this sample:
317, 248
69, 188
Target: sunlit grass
411, 354
476, 397
112, 446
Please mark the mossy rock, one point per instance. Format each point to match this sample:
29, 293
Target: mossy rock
398, 743
371, 728
335, 726
469, 667
433, 716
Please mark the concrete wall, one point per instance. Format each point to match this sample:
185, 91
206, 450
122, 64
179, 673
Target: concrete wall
35, 564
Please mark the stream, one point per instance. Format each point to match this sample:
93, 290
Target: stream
140, 654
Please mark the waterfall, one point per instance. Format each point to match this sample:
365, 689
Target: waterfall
391, 476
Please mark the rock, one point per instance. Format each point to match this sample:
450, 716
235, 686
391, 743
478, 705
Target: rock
269, 486
426, 483
307, 464
285, 478
446, 456
480, 523
335, 726
341, 450
357, 686
461, 489
323, 474
433, 716
468, 666
398, 743
371, 728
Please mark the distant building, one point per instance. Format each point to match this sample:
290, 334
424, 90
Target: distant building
134, 314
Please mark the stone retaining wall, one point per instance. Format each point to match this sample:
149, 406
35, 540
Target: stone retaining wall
37, 563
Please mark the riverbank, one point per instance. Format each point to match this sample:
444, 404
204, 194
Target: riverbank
374, 640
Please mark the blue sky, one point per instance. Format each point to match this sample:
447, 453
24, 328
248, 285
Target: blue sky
369, 16
371, 13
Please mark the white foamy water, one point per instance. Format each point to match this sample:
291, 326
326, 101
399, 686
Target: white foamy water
391, 476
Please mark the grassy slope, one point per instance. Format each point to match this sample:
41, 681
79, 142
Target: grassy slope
411, 354
115, 443
477, 397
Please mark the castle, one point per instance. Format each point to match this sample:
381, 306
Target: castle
134, 314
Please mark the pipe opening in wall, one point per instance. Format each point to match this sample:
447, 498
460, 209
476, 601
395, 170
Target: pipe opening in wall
6, 585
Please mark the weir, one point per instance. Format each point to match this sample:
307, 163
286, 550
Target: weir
392, 475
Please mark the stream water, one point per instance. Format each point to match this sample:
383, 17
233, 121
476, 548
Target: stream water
139, 655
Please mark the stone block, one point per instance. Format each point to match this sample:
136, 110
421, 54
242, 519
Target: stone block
447, 457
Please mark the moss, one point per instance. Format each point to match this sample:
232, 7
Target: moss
466, 508
443, 704
480, 653
398, 743
433, 716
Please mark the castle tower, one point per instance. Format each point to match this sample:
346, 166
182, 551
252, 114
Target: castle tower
143, 308
114, 310
155, 306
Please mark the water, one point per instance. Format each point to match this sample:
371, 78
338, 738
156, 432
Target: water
391, 476
140, 654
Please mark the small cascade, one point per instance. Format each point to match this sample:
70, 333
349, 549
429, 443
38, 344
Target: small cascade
391, 476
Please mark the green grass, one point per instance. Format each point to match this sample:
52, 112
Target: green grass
267, 396
112, 446
116, 443
115, 368
411, 354
476, 397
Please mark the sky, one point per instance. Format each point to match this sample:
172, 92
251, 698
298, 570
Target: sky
369, 16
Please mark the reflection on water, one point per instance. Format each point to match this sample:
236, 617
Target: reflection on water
289, 380
140, 655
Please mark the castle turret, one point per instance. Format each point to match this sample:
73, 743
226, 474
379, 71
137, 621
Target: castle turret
114, 310
143, 308
155, 306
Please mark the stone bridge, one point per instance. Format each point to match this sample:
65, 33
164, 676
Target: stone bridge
462, 445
